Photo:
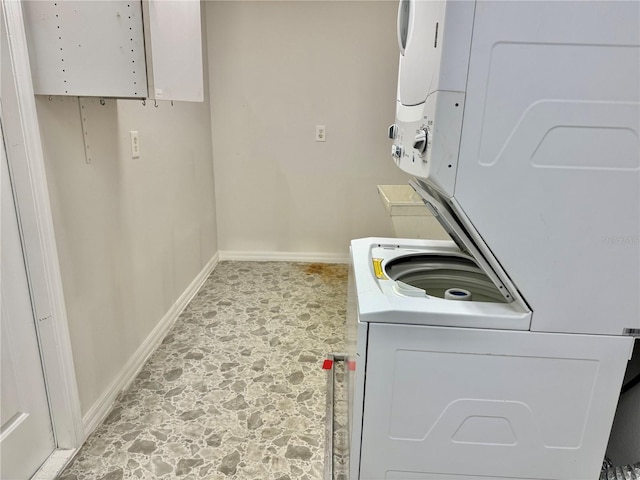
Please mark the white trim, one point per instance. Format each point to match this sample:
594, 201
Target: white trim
306, 257
25, 157
101, 408
55, 464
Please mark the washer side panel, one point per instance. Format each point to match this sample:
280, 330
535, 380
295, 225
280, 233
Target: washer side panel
467, 402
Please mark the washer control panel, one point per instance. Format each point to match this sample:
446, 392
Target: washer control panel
426, 139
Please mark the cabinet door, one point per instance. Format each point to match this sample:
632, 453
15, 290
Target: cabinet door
111, 49
82, 48
174, 49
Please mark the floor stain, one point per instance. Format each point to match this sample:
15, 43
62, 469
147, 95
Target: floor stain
326, 271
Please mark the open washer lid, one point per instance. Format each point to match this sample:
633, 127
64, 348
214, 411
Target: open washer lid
467, 238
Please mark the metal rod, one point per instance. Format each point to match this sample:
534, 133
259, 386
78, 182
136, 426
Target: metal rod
328, 433
329, 415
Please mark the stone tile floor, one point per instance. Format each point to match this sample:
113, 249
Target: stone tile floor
236, 389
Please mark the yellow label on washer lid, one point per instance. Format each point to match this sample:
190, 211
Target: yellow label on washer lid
377, 268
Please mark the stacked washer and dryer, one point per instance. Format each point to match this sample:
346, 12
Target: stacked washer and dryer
500, 354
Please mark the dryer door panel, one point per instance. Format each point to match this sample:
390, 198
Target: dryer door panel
471, 402
418, 22
434, 38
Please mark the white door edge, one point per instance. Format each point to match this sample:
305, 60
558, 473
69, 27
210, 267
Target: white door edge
20, 121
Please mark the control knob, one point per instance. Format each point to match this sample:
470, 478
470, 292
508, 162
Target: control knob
397, 151
421, 141
393, 131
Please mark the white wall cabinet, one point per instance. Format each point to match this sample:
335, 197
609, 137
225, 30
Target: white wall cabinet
121, 49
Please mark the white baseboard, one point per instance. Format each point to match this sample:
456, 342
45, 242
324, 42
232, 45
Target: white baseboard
101, 408
305, 257
55, 464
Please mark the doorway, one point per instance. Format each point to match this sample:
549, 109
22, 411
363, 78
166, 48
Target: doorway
26, 433
25, 205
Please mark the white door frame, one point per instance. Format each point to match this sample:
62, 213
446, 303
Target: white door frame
26, 163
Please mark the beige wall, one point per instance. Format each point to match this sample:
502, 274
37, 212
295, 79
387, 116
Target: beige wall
132, 234
277, 69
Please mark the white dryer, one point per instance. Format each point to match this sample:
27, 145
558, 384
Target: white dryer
500, 355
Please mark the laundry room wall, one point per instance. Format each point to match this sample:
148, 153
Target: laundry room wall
278, 69
132, 234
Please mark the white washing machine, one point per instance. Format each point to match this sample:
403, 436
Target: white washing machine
500, 355
461, 389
